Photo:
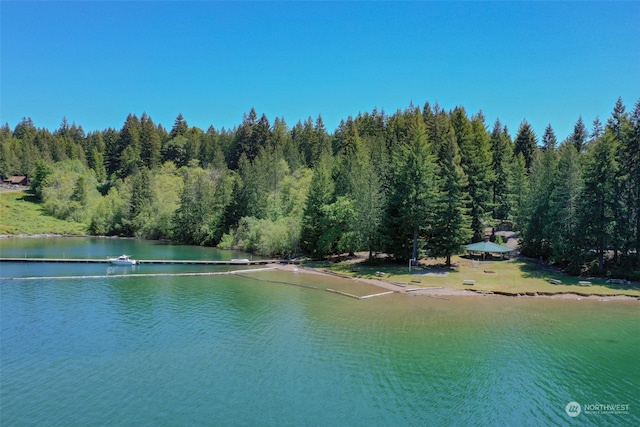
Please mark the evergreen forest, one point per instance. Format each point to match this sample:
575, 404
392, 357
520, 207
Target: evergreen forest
421, 182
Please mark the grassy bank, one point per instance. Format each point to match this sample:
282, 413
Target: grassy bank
513, 277
22, 213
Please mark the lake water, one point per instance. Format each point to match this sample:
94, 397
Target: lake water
274, 348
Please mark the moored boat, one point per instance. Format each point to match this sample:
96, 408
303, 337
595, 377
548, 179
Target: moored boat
123, 260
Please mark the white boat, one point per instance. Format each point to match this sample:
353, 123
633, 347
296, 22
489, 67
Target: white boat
123, 260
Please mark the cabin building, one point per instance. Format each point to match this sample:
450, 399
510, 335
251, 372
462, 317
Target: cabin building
17, 180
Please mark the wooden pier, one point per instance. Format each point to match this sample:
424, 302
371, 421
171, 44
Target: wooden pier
147, 261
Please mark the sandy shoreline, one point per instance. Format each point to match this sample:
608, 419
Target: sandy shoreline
443, 291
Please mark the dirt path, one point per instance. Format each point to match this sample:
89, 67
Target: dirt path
11, 189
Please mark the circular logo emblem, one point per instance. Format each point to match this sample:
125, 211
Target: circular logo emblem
573, 409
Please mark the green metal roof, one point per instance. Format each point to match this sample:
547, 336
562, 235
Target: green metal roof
487, 247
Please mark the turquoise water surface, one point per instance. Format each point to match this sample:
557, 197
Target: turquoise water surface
274, 348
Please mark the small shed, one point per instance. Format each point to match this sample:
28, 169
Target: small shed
484, 248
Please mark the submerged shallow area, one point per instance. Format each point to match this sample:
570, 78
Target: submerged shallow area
275, 348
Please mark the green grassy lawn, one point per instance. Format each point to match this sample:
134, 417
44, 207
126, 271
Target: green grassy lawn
512, 276
21, 213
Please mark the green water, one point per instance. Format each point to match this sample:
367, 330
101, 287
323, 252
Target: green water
260, 349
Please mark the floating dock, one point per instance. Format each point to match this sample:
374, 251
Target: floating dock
148, 261
128, 276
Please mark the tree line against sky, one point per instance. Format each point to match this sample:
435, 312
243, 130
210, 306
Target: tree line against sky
420, 182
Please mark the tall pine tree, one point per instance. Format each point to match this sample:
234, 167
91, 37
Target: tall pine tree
526, 143
579, 136
412, 199
321, 193
502, 153
536, 235
150, 143
597, 202
564, 209
620, 127
452, 225
631, 153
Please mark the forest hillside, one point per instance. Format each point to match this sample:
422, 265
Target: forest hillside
420, 182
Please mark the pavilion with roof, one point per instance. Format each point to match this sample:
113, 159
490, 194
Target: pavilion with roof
484, 248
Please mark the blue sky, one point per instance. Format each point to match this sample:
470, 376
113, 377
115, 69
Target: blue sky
95, 62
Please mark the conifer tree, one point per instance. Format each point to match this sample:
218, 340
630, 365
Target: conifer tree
256, 185
564, 209
44, 143
579, 136
305, 138
370, 199
112, 150
150, 143
519, 189
141, 197
412, 197
428, 116
502, 153
203, 200
632, 164
42, 170
618, 120
26, 151
475, 151
212, 154
129, 147
549, 140
5, 131
597, 201
620, 126
481, 177
96, 162
597, 129
537, 233
452, 225
370, 125
438, 124
348, 145
194, 138
281, 138
180, 127
175, 150
321, 193
358, 181
323, 141
249, 138
526, 143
